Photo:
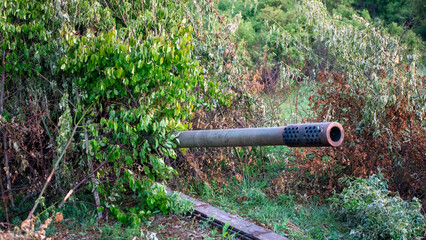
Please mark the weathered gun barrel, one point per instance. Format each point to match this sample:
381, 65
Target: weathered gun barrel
323, 134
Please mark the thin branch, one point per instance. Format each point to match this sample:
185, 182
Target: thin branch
62, 93
49, 178
81, 182
51, 174
131, 96
92, 178
122, 17
154, 12
3, 80
4, 198
25, 199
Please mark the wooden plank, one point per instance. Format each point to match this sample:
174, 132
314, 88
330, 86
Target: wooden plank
244, 229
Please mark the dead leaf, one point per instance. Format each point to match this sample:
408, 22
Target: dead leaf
59, 217
239, 177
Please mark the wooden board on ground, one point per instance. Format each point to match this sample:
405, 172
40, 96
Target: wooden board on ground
244, 229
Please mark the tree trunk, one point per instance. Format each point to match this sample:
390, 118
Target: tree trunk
6, 158
4, 199
92, 178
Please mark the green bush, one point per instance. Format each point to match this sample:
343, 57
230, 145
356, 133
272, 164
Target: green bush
372, 213
140, 80
254, 196
180, 205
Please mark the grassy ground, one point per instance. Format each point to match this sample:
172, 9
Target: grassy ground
289, 215
158, 227
78, 220
293, 216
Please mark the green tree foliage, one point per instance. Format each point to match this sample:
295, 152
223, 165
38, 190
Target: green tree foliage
132, 65
258, 20
26, 32
404, 19
141, 79
369, 82
265, 21
408, 13
24, 41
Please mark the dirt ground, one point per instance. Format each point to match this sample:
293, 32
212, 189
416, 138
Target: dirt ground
160, 227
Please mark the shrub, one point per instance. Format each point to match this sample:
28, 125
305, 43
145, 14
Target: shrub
372, 213
223, 61
141, 69
369, 83
254, 196
140, 79
180, 205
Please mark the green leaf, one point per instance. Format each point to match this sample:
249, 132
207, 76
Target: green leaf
128, 160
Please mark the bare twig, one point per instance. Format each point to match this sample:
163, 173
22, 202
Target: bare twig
25, 199
49, 178
81, 182
92, 178
4, 198
131, 96
62, 93
122, 17
52, 172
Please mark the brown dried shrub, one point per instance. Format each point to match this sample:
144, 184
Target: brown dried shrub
29, 150
399, 150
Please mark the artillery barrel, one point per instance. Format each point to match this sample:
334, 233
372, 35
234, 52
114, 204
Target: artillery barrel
323, 134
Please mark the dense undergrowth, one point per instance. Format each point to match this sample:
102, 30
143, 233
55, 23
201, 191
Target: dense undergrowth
363, 210
91, 91
252, 197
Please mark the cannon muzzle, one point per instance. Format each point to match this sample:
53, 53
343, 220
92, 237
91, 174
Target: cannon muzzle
325, 134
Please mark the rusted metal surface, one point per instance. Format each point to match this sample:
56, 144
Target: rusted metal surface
324, 134
327, 134
237, 225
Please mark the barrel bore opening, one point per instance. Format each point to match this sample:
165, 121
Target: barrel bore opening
335, 134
